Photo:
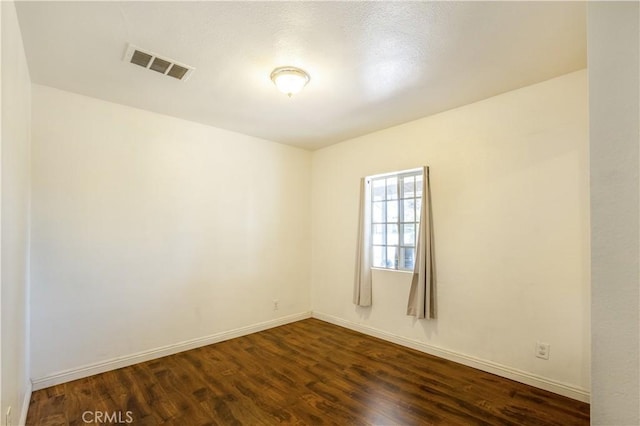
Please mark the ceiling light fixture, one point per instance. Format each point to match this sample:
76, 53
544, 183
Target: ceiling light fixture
289, 80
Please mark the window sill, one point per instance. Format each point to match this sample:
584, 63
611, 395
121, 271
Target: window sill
391, 270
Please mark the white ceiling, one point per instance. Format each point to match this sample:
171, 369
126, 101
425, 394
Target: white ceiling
372, 64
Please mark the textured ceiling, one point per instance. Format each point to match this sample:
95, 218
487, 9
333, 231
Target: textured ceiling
372, 64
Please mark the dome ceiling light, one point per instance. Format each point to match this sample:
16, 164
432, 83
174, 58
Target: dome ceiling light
289, 80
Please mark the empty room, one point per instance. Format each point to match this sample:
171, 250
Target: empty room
255, 213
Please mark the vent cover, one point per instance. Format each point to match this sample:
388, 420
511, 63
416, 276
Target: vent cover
156, 63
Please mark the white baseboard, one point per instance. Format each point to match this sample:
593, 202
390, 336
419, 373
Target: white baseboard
25, 405
570, 391
125, 361
488, 366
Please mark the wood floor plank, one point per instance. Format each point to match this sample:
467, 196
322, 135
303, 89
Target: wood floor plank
305, 373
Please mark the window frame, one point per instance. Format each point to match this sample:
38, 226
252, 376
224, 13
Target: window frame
397, 264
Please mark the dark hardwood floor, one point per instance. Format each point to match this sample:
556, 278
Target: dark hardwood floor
308, 372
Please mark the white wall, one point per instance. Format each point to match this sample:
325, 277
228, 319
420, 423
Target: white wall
614, 91
16, 122
511, 216
148, 231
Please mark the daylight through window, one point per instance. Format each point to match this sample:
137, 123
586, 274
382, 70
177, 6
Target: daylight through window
396, 200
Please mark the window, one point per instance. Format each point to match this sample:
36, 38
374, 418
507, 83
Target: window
396, 200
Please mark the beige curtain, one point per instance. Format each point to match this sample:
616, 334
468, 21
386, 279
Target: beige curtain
422, 297
362, 284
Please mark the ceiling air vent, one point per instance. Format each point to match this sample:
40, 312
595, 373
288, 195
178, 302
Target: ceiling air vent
156, 63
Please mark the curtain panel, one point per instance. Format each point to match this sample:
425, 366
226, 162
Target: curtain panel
362, 284
422, 296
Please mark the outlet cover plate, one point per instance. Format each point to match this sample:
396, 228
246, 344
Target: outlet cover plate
542, 350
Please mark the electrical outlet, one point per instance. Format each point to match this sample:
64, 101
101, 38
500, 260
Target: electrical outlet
8, 417
542, 350
276, 304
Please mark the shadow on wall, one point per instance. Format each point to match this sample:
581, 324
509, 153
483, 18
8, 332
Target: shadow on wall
429, 327
363, 312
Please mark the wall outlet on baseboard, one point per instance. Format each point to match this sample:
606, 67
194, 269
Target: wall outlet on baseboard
542, 350
7, 418
276, 304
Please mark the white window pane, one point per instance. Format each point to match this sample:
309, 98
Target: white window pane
407, 258
407, 187
377, 191
408, 235
378, 214
392, 234
419, 186
392, 211
378, 257
392, 188
408, 212
392, 257
396, 201
378, 234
